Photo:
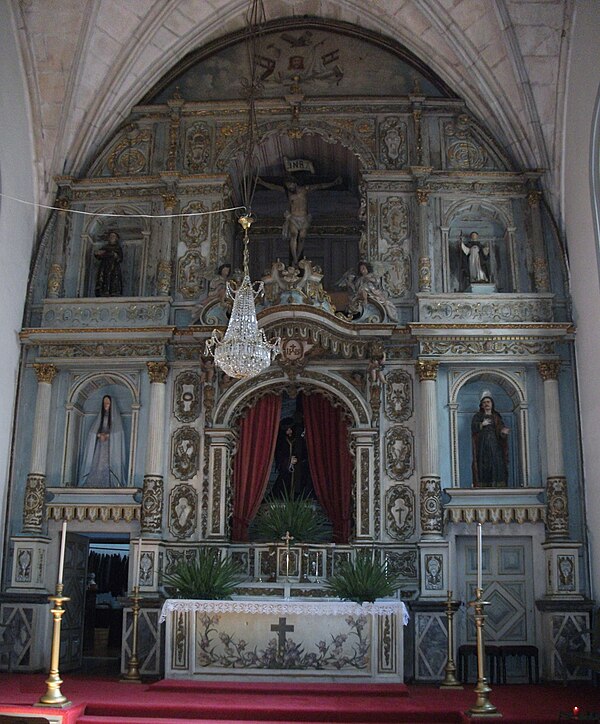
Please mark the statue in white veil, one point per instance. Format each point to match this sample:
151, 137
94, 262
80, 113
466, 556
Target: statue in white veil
104, 455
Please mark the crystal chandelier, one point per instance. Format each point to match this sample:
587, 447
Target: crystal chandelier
244, 350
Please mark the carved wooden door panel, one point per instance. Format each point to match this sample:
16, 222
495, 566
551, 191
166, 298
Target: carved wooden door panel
75, 572
507, 585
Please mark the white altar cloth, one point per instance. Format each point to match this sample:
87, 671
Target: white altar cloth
282, 608
278, 638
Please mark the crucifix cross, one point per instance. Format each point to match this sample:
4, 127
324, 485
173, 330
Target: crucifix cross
281, 629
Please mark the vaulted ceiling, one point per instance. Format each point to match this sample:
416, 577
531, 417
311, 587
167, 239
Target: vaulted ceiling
88, 62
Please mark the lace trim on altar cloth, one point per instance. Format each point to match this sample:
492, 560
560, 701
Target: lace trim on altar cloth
279, 608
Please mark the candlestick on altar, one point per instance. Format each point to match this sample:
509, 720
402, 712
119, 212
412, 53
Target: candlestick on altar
288, 539
53, 695
483, 707
479, 557
61, 557
137, 559
132, 676
450, 681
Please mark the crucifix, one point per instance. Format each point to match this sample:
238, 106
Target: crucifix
281, 628
288, 539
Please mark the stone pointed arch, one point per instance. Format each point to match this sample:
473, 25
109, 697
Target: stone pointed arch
513, 383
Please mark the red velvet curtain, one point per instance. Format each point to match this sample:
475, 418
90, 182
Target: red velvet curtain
330, 462
253, 461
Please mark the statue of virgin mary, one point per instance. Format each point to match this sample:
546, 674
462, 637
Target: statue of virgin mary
103, 463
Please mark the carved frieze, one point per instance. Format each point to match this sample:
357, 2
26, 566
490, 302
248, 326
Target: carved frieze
485, 311
403, 563
399, 452
398, 395
392, 143
99, 313
186, 396
395, 220
185, 453
509, 346
101, 349
400, 512
183, 511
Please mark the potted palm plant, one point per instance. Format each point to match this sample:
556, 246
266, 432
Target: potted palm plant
363, 579
299, 516
209, 577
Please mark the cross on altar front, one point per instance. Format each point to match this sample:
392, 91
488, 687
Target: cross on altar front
281, 629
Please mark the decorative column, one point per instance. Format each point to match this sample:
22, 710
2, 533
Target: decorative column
540, 267
56, 274
424, 258
221, 449
153, 491
164, 270
35, 490
430, 489
557, 513
366, 496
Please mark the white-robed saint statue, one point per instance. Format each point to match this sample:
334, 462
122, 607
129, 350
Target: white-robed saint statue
103, 463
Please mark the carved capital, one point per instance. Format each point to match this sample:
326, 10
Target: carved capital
534, 198
45, 372
158, 372
55, 280
557, 508
169, 201
164, 273
33, 508
423, 196
549, 370
152, 504
430, 503
427, 369
63, 202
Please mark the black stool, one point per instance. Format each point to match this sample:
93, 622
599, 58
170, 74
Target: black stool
493, 661
530, 653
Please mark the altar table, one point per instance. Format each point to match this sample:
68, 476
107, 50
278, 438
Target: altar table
284, 638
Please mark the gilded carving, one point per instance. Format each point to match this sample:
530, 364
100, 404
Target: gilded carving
186, 396
456, 310
152, 504
403, 563
158, 372
394, 219
190, 275
95, 512
194, 229
427, 369
424, 274
55, 280
549, 370
24, 559
33, 508
534, 198
400, 508
129, 156
397, 272
183, 511
431, 506
423, 196
434, 572
216, 488
197, 147
364, 491
462, 152
72, 351
398, 396
164, 272
185, 453
45, 372
565, 569
392, 143
105, 313
557, 508
147, 568
496, 345
541, 277
399, 452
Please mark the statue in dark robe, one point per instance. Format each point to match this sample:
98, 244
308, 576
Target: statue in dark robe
489, 437
293, 476
109, 280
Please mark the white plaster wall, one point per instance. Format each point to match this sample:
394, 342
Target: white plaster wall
583, 91
17, 231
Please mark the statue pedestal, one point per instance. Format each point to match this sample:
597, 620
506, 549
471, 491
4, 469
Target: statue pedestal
279, 638
480, 288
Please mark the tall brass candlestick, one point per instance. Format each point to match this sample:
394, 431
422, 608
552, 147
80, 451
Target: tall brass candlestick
53, 695
483, 707
133, 671
450, 681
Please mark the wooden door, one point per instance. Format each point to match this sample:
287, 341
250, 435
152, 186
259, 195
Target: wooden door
75, 574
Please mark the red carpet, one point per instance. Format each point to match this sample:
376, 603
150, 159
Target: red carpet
103, 701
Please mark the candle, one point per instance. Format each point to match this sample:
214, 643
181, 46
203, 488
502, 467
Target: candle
136, 563
449, 581
576, 711
61, 558
479, 557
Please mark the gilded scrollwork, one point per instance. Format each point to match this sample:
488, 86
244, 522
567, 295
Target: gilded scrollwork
424, 273
398, 395
457, 310
400, 508
403, 563
186, 396
185, 453
33, 508
191, 282
462, 151
197, 147
194, 228
183, 511
557, 508
399, 452
129, 156
392, 143
101, 349
431, 506
157, 372
152, 504
488, 345
395, 219
549, 370
45, 373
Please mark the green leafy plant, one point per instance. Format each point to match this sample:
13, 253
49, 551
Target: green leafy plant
299, 517
207, 577
362, 580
